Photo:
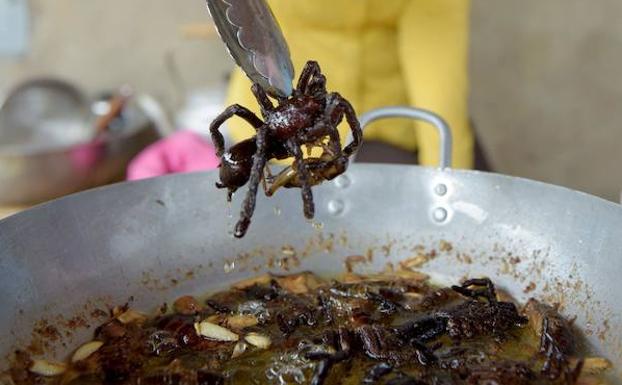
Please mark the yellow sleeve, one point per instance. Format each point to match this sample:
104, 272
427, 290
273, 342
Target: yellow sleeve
433, 43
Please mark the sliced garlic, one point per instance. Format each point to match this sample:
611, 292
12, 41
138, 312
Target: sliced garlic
299, 283
86, 350
296, 284
260, 280
413, 263
47, 369
215, 332
117, 310
258, 340
241, 321
353, 260
351, 278
239, 349
412, 275
131, 316
413, 295
596, 365
214, 318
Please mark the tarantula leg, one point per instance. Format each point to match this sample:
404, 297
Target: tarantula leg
556, 363
259, 161
318, 130
262, 98
355, 126
319, 170
321, 372
317, 85
327, 150
310, 70
228, 113
333, 115
269, 171
375, 374
267, 180
557, 342
338, 107
301, 168
321, 129
264, 185
486, 289
424, 355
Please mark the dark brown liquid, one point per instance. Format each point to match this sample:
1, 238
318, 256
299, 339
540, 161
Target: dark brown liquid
392, 329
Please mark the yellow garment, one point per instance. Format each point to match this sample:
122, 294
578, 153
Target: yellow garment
380, 53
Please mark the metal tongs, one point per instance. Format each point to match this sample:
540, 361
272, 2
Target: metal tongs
255, 41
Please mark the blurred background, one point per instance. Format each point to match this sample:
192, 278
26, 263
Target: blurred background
546, 94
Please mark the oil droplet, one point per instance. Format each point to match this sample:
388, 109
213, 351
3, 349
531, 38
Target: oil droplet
229, 208
336, 207
440, 214
441, 189
288, 250
317, 225
229, 266
229, 218
343, 181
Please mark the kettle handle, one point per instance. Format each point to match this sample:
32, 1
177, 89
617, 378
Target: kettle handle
439, 123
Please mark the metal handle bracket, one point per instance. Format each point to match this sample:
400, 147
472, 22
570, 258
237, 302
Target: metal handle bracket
439, 123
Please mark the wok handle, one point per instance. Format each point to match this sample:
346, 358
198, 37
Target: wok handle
418, 114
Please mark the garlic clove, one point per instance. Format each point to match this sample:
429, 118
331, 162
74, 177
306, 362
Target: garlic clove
260, 280
47, 368
215, 332
86, 350
241, 321
239, 349
596, 365
258, 340
131, 316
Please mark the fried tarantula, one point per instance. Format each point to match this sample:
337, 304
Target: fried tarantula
309, 117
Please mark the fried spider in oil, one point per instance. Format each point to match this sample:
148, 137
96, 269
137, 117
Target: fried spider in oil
307, 118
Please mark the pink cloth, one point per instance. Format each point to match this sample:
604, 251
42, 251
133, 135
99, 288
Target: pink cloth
183, 151
85, 156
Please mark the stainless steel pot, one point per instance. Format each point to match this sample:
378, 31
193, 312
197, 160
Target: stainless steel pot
49, 147
157, 239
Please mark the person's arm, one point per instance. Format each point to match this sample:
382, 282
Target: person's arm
433, 43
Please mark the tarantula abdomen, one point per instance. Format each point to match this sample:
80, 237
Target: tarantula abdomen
235, 166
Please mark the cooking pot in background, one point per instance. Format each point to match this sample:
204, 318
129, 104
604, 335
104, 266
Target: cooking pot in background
51, 145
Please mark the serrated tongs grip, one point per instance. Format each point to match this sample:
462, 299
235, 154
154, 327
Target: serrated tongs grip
255, 41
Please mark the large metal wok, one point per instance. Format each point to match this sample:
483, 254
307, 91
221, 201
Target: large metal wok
157, 239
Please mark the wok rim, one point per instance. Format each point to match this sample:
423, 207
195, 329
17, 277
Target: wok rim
447, 171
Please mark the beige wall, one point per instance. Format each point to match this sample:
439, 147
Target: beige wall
547, 90
547, 94
100, 44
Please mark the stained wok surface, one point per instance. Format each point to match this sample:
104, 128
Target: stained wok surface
389, 328
135, 239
